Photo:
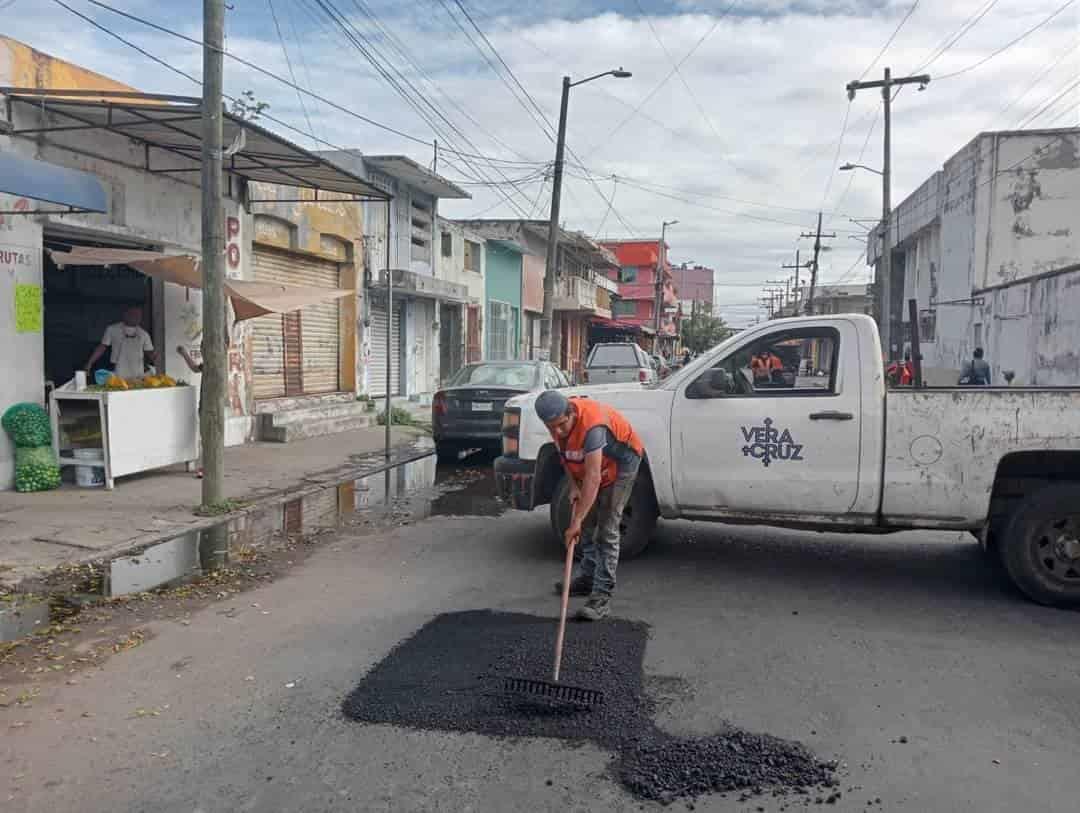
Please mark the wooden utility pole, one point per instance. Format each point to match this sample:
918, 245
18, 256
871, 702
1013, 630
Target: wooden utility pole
797, 266
814, 262
214, 345
550, 337
882, 283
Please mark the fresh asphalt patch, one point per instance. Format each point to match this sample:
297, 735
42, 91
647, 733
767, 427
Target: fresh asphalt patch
448, 677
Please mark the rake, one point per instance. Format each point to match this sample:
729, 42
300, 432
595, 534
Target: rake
552, 690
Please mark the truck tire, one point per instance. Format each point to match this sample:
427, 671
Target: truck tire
1041, 546
638, 523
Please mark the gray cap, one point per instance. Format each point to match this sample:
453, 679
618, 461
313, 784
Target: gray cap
551, 404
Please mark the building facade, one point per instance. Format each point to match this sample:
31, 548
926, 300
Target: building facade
409, 245
694, 283
990, 250
643, 270
463, 261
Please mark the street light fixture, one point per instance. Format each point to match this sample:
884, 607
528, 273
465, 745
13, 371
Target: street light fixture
550, 338
849, 167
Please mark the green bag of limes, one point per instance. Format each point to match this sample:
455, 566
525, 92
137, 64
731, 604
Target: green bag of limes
35, 463
36, 469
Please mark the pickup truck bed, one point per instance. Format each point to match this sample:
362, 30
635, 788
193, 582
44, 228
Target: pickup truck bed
836, 451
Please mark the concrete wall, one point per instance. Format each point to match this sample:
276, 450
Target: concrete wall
988, 247
22, 355
503, 282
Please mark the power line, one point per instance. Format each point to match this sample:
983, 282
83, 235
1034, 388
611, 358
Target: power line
667, 78
1041, 75
685, 84
1027, 121
951, 39
288, 63
889, 41
1007, 45
276, 77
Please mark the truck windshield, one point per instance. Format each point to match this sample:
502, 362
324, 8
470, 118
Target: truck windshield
614, 355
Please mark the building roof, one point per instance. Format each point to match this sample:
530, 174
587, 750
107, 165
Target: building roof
170, 127
407, 170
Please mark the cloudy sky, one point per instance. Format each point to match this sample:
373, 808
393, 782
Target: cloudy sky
733, 122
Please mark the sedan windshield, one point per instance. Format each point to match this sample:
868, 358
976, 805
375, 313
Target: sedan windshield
519, 376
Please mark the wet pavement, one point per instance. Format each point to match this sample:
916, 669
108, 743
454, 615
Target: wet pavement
906, 658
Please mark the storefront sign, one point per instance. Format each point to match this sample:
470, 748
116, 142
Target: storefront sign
232, 243
27, 308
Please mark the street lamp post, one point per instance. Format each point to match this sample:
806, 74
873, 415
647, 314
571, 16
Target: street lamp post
549, 337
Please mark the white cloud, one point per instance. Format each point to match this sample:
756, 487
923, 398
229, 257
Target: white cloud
770, 79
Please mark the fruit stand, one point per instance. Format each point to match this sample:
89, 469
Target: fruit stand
133, 426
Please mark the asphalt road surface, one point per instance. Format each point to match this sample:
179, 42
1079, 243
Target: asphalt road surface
906, 658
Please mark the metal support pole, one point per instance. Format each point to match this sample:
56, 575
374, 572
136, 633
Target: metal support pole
389, 334
548, 337
214, 346
885, 294
916, 350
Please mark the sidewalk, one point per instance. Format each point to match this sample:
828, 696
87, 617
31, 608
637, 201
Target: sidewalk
39, 532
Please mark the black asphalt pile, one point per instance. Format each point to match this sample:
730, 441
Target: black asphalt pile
448, 677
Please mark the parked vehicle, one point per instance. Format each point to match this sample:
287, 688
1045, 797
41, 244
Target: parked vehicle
619, 362
467, 413
660, 365
835, 451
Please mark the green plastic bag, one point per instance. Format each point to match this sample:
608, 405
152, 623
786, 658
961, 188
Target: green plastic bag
36, 469
27, 425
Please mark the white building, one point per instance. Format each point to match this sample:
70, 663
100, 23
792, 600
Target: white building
419, 292
990, 248
462, 260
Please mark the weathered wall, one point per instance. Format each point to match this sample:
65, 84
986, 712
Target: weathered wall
22, 355
1002, 212
532, 283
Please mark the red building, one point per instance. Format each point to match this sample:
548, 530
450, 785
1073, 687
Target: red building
640, 262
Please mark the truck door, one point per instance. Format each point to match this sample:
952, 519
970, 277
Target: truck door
773, 427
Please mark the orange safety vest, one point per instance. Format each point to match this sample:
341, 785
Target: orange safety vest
591, 414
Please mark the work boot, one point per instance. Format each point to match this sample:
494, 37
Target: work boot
579, 586
595, 609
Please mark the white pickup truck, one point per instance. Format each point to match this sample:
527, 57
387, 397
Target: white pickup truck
821, 445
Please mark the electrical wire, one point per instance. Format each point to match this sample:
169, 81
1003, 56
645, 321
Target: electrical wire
667, 78
1057, 97
1031, 86
288, 64
1007, 45
889, 41
951, 39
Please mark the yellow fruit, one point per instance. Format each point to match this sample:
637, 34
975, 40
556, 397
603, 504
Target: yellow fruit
168, 381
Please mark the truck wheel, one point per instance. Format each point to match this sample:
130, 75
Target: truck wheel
638, 522
1041, 546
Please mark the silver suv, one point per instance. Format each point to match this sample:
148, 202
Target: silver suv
619, 363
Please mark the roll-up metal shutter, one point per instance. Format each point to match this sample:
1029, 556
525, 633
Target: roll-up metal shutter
313, 364
376, 374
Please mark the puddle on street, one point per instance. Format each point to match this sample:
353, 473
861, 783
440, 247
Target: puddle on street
398, 496
19, 618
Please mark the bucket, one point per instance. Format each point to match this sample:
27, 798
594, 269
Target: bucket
90, 476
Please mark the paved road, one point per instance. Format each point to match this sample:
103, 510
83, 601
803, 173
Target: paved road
848, 644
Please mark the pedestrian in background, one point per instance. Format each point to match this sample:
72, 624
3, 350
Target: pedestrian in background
975, 373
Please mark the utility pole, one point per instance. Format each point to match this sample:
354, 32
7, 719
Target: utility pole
782, 292
661, 267
882, 283
549, 334
814, 262
214, 352
797, 266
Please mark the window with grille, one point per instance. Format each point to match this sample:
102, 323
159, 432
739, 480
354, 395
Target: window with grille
621, 308
447, 244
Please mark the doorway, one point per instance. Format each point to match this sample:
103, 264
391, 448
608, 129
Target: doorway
80, 302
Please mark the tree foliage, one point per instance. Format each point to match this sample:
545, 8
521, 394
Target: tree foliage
701, 330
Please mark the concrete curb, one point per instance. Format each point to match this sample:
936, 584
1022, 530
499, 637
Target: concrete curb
140, 543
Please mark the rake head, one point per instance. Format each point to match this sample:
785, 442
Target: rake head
556, 692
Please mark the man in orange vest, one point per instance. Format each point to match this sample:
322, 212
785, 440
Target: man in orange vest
601, 453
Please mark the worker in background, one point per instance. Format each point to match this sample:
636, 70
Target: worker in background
601, 454
130, 348
975, 373
776, 367
760, 366
901, 374
197, 367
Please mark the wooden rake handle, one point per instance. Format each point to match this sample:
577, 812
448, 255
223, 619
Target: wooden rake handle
562, 611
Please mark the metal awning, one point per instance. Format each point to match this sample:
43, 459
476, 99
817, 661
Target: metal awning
38, 180
170, 129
